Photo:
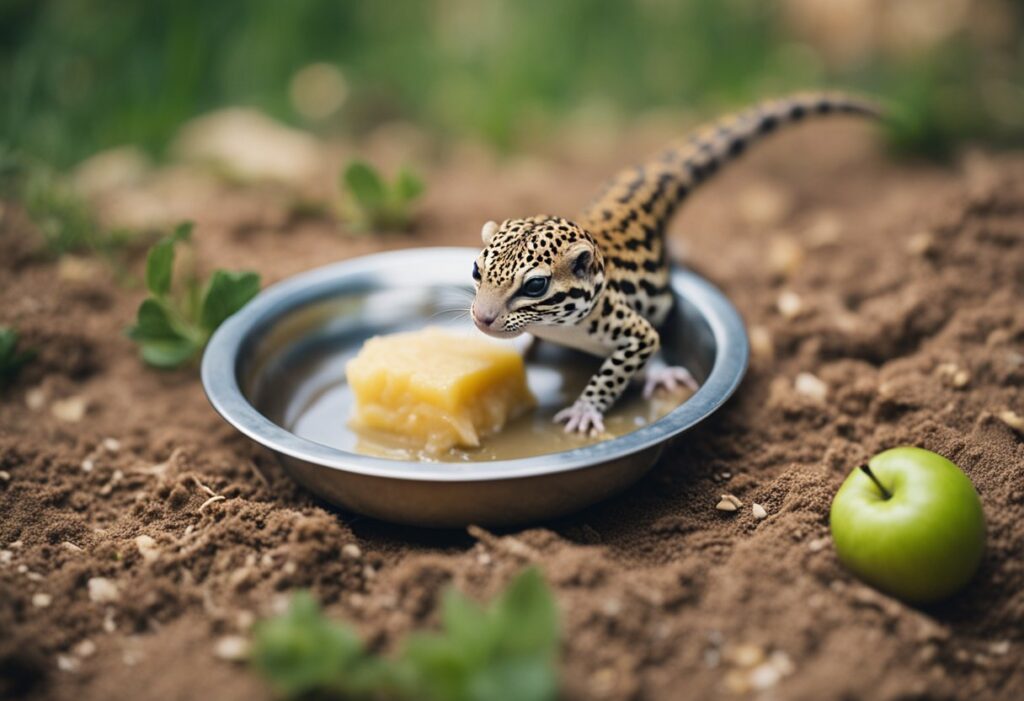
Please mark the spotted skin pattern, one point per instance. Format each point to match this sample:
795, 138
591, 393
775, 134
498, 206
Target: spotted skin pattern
600, 284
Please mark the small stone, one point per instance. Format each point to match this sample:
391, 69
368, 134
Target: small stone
785, 256
88, 465
232, 648
5, 556
112, 445
825, 230
35, 398
818, 544
41, 600
1012, 419
810, 386
5, 476
999, 647
725, 505
789, 304
66, 663
34, 576
746, 655
736, 502
102, 590
781, 662
70, 409
764, 204
961, 379
147, 548
86, 648
290, 568
109, 624
920, 244
15, 544
763, 676
71, 547
761, 344
759, 512
351, 551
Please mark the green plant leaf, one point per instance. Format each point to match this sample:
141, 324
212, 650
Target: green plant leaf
11, 361
169, 353
226, 293
303, 652
365, 186
152, 322
408, 186
160, 261
527, 614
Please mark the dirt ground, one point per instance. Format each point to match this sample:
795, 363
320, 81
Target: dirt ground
885, 307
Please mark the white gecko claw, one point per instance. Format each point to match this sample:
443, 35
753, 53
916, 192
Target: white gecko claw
582, 417
670, 378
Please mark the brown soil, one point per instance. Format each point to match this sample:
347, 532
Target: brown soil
910, 281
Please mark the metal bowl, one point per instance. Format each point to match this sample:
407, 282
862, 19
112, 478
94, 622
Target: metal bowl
292, 339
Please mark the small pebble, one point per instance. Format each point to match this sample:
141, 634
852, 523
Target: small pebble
41, 600
86, 648
232, 648
921, 243
148, 548
70, 409
5, 557
785, 256
88, 465
351, 551
725, 505
818, 544
102, 590
35, 398
71, 547
66, 663
112, 445
761, 344
745, 655
5, 476
810, 386
764, 676
789, 304
758, 511
1012, 419
999, 647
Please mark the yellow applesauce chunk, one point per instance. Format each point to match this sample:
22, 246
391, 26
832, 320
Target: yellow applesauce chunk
435, 389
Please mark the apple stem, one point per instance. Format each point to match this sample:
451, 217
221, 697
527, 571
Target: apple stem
867, 471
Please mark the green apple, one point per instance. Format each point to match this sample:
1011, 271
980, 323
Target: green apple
909, 523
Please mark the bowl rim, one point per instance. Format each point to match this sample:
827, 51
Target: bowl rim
220, 380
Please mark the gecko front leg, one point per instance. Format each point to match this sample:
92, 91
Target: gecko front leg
634, 341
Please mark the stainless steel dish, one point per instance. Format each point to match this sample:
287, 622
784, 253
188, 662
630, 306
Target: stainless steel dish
269, 357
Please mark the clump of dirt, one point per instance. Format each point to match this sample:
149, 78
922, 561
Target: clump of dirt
884, 303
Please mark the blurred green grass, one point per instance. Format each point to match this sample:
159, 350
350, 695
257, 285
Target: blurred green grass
84, 75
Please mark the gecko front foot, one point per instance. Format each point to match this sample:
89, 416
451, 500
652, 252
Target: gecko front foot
582, 417
670, 378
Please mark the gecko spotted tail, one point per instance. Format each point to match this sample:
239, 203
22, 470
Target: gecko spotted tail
600, 283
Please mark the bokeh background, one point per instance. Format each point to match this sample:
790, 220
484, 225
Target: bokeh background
81, 76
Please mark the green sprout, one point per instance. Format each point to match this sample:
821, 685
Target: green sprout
172, 327
11, 359
505, 651
374, 205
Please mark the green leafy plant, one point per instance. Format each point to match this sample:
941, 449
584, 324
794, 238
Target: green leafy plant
11, 359
173, 326
372, 204
505, 651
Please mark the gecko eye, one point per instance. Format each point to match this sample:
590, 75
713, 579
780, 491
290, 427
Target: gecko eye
476, 272
536, 286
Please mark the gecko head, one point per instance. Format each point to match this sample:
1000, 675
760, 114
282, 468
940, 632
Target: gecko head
540, 271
